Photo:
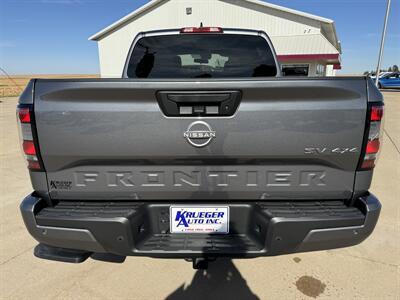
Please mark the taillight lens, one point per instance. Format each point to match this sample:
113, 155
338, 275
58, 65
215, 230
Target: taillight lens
24, 117
29, 147
376, 113
374, 134
373, 146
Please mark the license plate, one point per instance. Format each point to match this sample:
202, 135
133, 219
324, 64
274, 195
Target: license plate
199, 219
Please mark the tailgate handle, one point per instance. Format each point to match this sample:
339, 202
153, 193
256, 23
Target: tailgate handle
199, 103
190, 98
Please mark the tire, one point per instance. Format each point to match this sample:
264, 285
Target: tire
380, 86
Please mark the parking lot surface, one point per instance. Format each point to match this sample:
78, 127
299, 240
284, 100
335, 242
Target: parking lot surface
367, 271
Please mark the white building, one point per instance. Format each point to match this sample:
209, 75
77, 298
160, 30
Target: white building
305, 43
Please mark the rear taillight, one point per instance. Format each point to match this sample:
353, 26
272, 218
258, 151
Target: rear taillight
372, 145
201, 30
24, 115
29, 148
376, 113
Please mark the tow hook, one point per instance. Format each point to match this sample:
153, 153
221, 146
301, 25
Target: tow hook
200, 263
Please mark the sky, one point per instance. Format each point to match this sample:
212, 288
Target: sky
51, 36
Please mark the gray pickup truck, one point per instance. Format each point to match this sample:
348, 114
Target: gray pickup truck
201, 150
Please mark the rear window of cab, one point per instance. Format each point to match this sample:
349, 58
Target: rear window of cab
201, 56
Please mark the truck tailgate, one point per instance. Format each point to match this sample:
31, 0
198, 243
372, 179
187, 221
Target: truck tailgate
288, 139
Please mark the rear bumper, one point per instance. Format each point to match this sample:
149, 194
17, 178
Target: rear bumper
256, 228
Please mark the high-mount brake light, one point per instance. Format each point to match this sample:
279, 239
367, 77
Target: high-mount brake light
201, 30
372, 145
24, 118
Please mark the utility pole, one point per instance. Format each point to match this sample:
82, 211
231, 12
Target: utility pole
378, 69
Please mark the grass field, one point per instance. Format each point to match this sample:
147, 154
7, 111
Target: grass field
14, 85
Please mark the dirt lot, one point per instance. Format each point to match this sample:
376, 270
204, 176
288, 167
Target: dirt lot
367, 271
13, 86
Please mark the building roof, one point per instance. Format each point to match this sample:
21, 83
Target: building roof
327, 25
303, 44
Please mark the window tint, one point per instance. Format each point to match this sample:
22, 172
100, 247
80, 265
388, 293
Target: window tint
201, 56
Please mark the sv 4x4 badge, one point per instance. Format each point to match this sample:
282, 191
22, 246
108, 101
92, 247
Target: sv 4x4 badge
199, 134
324, 150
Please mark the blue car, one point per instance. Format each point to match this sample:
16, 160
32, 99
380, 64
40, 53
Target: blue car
389, 81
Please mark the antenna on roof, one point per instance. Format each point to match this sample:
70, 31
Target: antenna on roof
201, 24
